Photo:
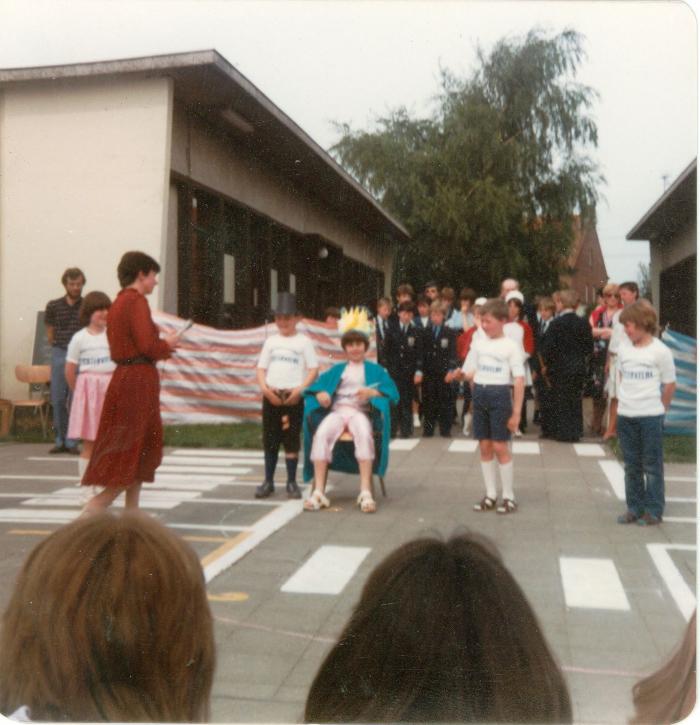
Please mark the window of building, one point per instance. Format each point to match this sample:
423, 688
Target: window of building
293, 283
274, 288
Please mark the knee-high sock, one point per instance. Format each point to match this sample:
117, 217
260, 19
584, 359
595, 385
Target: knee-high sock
270, 464
291, 468
506, 470
488, 468
82, 465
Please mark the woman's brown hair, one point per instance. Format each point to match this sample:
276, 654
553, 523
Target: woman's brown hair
131, 264
92, 302
668, 695
109, 621
442, 633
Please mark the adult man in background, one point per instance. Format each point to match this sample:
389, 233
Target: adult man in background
62, 320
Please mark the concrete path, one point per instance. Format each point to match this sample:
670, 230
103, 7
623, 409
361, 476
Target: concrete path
612, 600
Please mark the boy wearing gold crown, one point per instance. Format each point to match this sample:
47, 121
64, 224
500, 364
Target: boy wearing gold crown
348, 390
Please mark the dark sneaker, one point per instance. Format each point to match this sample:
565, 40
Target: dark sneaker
265, 489
58, 449
293, 490
73, 450
648, 520
627, 518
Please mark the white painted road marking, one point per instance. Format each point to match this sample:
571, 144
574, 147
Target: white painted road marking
680, 520
589, 449
206, 461
259, 531
681, 479
592, 584
463, 446
528, 448
403, 444
218, 452
327, 571
198, 469
680, 591
616, 477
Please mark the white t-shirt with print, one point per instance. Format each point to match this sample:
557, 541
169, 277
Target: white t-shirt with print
287, 359
495, 360
641, 371
90, 352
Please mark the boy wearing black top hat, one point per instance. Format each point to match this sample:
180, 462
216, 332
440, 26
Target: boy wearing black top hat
287, 365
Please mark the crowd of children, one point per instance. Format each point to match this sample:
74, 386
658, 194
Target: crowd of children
494, 355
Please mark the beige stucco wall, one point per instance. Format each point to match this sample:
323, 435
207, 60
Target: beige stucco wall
84, 177
206, 159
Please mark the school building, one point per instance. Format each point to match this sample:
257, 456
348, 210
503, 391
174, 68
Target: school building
182, 157
670, 227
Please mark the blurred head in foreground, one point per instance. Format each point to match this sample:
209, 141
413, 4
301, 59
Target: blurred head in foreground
442, 633
109, 621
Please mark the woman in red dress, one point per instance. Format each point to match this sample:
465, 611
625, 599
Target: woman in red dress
129, 443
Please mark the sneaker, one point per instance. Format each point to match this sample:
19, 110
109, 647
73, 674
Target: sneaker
265, 489
518, 434
73, 450
293, 490
467, 424
627, 518
648, 520
58, 449
416, 420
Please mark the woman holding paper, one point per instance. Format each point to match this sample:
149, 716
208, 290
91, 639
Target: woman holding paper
129, 443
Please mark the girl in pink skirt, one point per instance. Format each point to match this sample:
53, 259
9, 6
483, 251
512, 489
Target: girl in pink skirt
89, 369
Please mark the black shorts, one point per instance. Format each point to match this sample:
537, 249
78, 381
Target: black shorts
276, 430
492, 406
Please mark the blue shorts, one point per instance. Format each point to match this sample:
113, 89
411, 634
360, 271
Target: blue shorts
492, 405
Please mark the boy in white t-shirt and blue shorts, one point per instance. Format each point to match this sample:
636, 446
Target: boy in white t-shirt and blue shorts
494, 365
646, 383
287, 365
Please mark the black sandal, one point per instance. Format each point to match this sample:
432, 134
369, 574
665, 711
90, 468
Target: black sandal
486, 504
507, 506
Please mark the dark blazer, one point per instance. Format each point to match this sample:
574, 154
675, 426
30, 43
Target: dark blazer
439, 354
567, 346
404, 350
381, 340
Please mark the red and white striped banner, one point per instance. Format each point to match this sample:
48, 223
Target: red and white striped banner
210, 377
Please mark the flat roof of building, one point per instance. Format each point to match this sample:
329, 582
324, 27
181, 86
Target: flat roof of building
673, 209
209, 86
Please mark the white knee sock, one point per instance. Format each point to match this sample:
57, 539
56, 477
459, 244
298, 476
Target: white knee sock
82, 465
488, 468
506, 470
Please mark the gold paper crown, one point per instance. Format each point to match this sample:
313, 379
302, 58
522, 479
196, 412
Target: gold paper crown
354, 320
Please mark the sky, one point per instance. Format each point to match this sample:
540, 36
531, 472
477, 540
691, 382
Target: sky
326, 61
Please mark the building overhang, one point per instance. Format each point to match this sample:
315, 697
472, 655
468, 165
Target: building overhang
674, 209
207, 85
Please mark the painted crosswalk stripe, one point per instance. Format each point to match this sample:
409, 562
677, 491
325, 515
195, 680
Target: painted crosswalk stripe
680, 499
219, 452
589, 449
26, 477
207, 461
528, 448
682, 594
198, 469
681, 479
592, 584
463, 446
403, 444
616, 477
327, 571
680, 520
162, 477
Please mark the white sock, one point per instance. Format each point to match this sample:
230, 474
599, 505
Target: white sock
488, 468
82, 465
507, 479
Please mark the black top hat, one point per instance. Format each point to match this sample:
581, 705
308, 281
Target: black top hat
286, 304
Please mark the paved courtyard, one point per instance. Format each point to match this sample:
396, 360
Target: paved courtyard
612, 600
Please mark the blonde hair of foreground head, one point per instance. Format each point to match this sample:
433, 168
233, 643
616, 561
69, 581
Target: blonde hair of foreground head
109, 621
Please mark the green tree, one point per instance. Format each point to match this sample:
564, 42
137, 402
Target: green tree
487, 184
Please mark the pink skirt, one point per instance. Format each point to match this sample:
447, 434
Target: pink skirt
86, 406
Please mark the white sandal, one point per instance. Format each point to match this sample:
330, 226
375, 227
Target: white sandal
317, 500
366, 503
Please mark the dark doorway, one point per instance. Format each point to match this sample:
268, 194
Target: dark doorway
678, 306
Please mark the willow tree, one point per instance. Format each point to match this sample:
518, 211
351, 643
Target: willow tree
487, 184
